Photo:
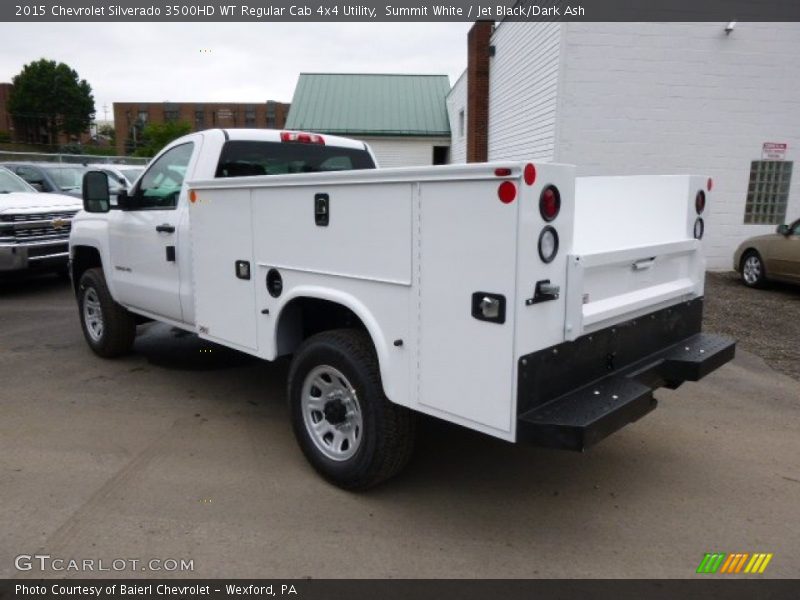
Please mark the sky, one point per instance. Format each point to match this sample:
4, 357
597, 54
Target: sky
227, 62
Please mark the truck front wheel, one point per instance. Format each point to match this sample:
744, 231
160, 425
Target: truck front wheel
346, 427
109, 329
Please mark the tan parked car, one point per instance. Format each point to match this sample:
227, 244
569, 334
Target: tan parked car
775, 256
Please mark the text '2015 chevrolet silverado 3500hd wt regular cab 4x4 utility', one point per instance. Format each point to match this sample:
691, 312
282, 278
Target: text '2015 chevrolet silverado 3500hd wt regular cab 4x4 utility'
511, 298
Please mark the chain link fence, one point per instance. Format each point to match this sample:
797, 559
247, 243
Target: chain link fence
7, 156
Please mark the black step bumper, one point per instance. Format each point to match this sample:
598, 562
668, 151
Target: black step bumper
575, 394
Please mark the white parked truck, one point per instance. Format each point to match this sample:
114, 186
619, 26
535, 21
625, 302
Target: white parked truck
34, 227
510, 298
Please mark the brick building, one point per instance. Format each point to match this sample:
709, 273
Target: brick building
130, 117
6, 126
643, 98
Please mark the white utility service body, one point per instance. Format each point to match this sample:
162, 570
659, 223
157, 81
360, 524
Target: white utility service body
473, 317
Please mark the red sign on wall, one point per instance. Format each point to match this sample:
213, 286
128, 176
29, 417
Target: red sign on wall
773, 151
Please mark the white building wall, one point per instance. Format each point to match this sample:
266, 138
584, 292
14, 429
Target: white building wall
677, 98
523, 83
404, 151
457, 113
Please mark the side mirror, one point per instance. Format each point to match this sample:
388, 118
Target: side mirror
125, 201
782, 229
96, 197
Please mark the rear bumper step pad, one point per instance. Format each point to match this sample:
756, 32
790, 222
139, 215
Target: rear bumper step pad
582, 417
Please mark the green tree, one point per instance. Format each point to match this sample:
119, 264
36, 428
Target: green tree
108, 131
154, 136
48, 99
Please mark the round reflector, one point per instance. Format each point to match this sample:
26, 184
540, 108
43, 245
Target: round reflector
529, 174
700, 202
507, 192
549, 203
548, 244
699, 229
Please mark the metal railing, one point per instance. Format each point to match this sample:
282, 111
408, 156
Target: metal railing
70, 158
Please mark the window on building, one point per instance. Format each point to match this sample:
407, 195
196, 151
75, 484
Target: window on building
144, 114
461, 122
441, 155
171, 113
199, 118
271, 116
768, 192
250, 116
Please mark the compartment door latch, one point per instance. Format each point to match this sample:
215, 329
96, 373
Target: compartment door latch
487, 306
543, 292
322, 210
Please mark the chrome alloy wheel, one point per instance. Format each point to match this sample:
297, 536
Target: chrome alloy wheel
751, 271
331, 413
93, 314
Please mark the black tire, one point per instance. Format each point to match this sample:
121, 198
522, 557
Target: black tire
118, 325
752, 270
388, 430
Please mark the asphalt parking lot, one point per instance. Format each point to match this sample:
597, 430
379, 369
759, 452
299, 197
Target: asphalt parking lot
184, 451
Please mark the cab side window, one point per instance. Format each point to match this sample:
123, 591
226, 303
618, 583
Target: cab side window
160, 186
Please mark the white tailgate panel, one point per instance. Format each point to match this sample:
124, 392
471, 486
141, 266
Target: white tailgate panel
633, 251
221, 235
368, 236
467, 244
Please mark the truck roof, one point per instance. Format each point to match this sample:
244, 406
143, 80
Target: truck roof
274, 135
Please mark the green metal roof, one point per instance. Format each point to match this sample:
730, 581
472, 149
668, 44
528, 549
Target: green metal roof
370, 104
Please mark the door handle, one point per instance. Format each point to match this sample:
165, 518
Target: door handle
165, 228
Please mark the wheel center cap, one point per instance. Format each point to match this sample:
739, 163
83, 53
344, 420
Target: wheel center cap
335, 412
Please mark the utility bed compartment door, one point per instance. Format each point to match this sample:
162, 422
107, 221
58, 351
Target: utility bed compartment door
222, 235
467, 243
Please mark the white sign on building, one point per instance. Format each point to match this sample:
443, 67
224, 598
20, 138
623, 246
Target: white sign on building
773, 151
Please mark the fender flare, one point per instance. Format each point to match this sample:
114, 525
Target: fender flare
359, 309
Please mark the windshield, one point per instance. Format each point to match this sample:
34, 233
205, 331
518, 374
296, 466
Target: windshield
11, 183
243, 158
67, 178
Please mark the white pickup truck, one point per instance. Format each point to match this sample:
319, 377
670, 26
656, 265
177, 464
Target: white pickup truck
510, 298
34, 227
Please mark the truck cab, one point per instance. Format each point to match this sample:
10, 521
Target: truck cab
143, 243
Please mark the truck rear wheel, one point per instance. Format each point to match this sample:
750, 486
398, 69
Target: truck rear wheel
346, 427
109, 329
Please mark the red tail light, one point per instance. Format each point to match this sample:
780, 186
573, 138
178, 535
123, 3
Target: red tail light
529, 174
549, 203
710, 184
302, 138
507, 192
700, 202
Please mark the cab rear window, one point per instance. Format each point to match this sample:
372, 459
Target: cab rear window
248, 158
